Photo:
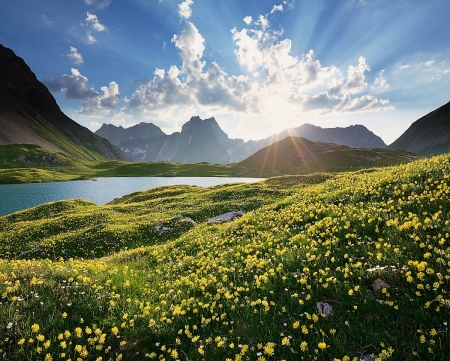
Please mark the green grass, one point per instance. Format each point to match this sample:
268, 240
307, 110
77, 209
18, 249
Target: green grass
24, 163
243, 290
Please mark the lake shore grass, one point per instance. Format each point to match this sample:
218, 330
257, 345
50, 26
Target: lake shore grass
79, 281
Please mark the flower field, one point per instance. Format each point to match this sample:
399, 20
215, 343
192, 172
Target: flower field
370, 250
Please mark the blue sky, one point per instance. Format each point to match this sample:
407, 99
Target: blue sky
257, 66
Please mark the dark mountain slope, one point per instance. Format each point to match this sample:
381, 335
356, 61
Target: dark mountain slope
29, 114
429, 135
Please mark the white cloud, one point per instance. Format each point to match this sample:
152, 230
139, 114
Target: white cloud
274, 85
192, 86
356, 79
89, 38
75, 56
263, 21
276, 8
380, 81
93, 21
75, 87
184, 9
100, 4
248, 20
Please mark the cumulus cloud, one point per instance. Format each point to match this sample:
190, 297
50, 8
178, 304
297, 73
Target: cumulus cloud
75, 87
356, 79
192, 85
184, 9
94, 23
248, 20
274, 83
75, 56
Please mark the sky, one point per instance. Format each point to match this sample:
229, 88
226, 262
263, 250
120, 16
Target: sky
256, 66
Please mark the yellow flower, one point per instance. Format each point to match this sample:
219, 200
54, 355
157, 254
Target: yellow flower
21, 341
115, 330
40, 337
304, 346
35, 328
322, 345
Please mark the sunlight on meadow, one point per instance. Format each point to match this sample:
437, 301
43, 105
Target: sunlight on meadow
82, 282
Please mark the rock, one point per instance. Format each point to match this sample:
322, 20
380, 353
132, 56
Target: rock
226, 217
379, 284
161, 229
324, 308
180, 217
365, 357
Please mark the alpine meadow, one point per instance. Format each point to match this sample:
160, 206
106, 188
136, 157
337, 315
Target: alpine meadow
199, 180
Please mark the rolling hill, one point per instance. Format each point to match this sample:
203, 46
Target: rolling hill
295, 155
30, 115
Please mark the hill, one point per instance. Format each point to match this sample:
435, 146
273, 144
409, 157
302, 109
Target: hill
295, 155
29, 114
429, 135
342, 267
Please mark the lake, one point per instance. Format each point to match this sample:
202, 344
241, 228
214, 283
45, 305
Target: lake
15, 197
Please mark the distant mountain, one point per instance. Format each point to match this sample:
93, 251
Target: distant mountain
204, 141
199, 141
295, 155
430, 135
30, 115
354, 136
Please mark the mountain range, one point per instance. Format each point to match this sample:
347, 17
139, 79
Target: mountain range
204, 141
29, 114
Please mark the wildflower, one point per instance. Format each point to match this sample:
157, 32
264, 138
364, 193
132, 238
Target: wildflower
35, 328
304, 346
322, 345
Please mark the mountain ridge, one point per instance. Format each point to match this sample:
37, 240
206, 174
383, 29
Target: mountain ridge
429, 135
204, 141
29, 114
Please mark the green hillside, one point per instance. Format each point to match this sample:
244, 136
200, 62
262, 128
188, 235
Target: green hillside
29, 114
22, 163
371, 248
295, 155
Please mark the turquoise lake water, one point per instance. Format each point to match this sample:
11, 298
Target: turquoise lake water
15, 197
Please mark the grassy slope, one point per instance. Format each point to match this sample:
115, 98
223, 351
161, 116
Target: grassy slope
295, 155
37, 167
244, 290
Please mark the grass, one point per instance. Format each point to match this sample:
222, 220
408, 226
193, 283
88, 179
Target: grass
22, 163
243, 290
